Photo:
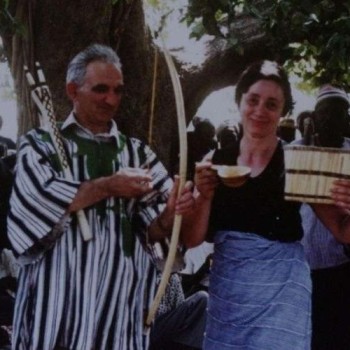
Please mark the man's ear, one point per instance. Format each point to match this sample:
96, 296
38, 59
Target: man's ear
71, 90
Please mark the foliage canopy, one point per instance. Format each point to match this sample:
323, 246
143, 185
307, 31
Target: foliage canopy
311, 37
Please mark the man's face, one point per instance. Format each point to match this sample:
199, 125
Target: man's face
96, 101
331, 121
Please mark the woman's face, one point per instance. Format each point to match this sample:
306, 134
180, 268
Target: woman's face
261, 108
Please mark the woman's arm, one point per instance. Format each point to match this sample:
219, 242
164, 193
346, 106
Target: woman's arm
195, 225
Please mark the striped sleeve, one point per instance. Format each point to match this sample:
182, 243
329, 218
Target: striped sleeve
148, 207
40, 195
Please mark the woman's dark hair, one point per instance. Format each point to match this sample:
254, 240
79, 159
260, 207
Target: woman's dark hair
265, 70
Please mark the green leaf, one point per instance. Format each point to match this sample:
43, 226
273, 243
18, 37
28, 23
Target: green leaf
153, 3
316, 34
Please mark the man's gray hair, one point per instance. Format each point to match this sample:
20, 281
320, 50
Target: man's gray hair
77, 67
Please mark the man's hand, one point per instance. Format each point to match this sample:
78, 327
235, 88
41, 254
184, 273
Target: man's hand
129, 183
181, 205
340, 193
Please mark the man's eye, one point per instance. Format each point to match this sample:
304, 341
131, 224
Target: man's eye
100, 89
119, 90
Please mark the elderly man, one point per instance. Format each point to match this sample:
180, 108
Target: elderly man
76, 294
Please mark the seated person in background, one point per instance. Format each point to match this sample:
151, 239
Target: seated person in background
195, 275
8, 262
8, 286
5, 143
306, 127
180, 322
200, 142
7, 165
329, 262
286, 129
227, 134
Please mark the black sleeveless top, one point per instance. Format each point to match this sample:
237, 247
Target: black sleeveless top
258, 206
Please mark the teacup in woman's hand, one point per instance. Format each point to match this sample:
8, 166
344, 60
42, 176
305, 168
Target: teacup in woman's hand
232, 175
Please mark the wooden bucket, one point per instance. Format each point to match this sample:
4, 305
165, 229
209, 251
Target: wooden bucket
310, 172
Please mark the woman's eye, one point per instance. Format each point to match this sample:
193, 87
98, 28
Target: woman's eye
272, 106
252, 101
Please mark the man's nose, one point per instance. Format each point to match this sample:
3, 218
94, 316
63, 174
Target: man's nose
112, 98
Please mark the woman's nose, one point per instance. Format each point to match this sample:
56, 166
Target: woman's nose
260, 107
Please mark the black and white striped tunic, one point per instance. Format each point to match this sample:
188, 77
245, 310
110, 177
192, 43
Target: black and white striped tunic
76, 294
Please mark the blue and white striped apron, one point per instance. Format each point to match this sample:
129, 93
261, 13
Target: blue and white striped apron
260, 295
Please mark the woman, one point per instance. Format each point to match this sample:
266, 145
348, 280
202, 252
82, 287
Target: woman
259, 291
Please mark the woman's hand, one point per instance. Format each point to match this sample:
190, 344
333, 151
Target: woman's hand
180, 205
185, 202
206, 179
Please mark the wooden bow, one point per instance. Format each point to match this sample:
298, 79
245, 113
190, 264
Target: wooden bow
41, 95
181, 120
